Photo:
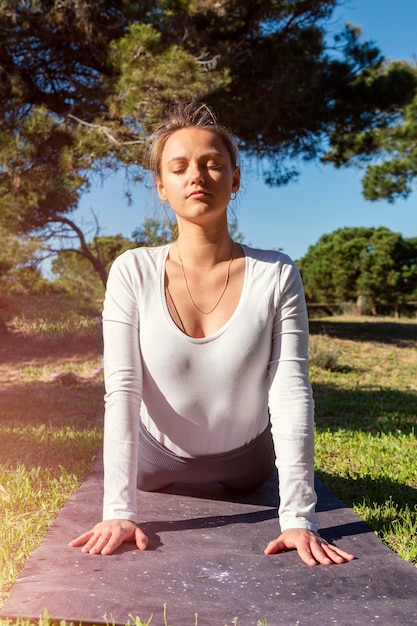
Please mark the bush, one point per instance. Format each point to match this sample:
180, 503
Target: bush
325, 357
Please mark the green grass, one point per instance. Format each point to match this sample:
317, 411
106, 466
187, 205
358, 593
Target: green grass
49, 433
364, 376
366, 422
35, 482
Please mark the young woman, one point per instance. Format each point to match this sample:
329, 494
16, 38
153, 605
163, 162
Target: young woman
206, 365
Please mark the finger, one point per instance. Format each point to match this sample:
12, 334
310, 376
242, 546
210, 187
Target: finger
118, 537
339, 555
101, 543
116, 540
81, 540
274, 546
320, 552
141, 539
97, 540
112, 543
328, 554
308, 555
87, 548
333, 550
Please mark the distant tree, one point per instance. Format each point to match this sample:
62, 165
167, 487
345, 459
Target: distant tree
368, 263
155, 232
388, 150
81, 84
389, 272
411, 243
75, 104
20, 271
234, 231
75, 275
332, 266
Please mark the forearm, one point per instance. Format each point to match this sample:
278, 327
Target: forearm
292, 407
123, 382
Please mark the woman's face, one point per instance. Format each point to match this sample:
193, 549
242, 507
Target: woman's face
197, 176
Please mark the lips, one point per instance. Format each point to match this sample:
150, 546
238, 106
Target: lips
199, 193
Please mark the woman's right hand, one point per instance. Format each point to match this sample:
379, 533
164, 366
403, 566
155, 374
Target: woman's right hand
107, 536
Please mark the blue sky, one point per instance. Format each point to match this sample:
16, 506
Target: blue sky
323, 199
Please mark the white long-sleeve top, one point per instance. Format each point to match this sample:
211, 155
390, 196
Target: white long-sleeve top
200, 396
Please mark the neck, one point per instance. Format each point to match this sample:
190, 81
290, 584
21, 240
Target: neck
204, 250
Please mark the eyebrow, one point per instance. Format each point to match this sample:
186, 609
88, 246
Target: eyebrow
208, 155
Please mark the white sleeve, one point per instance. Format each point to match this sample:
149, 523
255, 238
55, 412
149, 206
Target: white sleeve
291, 404
123, 384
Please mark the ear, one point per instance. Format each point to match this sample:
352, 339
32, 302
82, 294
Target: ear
161, 189
236, 179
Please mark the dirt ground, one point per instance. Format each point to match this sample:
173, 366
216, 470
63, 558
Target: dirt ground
20, 353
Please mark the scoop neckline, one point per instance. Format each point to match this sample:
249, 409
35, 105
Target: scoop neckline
225, 326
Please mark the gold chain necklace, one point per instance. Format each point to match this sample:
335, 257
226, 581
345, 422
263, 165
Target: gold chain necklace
226, 282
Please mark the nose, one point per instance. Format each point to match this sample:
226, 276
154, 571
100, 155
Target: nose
197, 175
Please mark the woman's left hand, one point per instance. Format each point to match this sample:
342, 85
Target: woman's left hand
312, 548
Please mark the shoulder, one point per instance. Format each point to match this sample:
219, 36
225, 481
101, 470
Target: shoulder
274, 271
136, 267
139, 258
274, 259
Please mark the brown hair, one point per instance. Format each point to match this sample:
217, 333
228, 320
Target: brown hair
188, 115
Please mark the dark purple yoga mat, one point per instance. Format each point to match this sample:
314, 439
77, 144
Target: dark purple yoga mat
206, 557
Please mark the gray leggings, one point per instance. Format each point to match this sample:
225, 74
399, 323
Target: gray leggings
245, 468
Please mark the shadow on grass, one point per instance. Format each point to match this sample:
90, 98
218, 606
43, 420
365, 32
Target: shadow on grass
18, 348
36, 402
33, 452
48, 425
370, 490
374, 410
391, 333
